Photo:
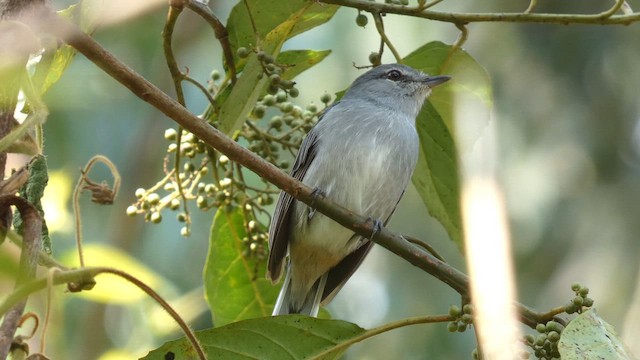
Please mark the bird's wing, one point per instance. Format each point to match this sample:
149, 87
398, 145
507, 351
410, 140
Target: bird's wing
279, 231
339, 274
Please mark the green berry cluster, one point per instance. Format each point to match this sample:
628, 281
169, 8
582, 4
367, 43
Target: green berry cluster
580, 301
545, 343
284, 130
463, 318
273, 71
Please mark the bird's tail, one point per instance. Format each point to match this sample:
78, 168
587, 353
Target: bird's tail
312, 303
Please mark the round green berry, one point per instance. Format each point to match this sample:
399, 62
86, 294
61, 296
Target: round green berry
362, 20
462, 327
541, 328
584, 291
374, 57
553, 326
132, 210
170, 134
454, 311
553, 336
466, 318
140, 193
541, 339
452, 326
293, 92
269, 100
242, 52
467, 309
274, 79
156, 217
530, 339
578, 300
588, 302
281, 97
153, 199
181, 217
174, 204
215, 75
259, 111
325, 98
570, 308
576, 286
276, 122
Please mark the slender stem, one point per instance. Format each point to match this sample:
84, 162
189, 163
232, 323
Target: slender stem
221, 34
380, 27
384, 328
429, 4
454, 17
177, 76
81, 275
202, 88
614, 9
531, 7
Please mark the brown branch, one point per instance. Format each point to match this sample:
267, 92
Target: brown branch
27, 269
603, 18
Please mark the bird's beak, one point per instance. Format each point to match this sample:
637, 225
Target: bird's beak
433, 81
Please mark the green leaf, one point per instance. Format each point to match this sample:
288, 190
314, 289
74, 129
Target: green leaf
589, 337
297, 61
470, 86
235, 285
275, 23
436, 174
269, 15
54, 62
278, 338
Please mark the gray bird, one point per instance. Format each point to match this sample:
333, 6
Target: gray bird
361, 155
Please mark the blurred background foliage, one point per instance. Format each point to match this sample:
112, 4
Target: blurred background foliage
568, 119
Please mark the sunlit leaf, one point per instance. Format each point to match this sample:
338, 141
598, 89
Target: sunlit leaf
275, 23
111, 289
277, 338
235, 285
470, 86
53, 64
588, 336
436, 176
297, 61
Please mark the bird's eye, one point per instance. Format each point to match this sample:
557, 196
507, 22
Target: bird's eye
394, 75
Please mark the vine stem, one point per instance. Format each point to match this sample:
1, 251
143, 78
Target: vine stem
81, 276
604, 18
384, 328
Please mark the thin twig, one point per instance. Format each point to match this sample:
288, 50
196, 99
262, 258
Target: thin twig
425, 246
382, 329
78, 189
47, 316
531, 7
380, 27
177, 76
455, 17
202, 88
221, 34
429, 4
81, 275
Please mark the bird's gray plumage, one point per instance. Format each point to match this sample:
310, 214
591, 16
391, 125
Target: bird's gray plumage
361, 155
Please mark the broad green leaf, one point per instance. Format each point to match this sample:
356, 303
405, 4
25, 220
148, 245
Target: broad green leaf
275, 23
277, 338
297, 61
470, 86
112, 289
436, 175
235, 285
589, 337
268, 15
53, 63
